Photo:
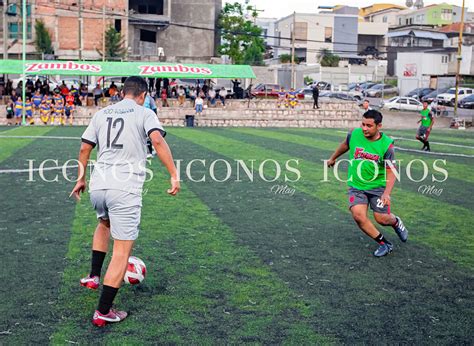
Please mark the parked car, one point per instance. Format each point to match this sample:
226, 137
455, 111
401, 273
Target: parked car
467, 102
270, 91
364, 86
403, 104
418, 93
379, 89
307, 92
337, 95
321, 85
448, 98
432, 95
266, 90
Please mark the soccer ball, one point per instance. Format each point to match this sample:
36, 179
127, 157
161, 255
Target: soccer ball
136, 271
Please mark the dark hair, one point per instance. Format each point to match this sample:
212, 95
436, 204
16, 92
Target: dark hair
373, 114
366, 101
134, 86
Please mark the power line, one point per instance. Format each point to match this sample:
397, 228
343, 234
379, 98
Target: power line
215, 30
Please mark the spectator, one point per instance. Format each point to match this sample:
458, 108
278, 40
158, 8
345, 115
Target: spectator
98, 93
181, 96
315, 97
113, 93
211, 96
164, 98
222, 95
75, 93
192, 94
282, 98
37, 84
29, 111
64, 90
14, 96
10, 114
37, 98
45, 88
366, 106
83, 94
199, 102
9, 87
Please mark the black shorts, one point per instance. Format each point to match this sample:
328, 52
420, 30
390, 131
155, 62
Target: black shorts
422, 130
368, 197
9, 116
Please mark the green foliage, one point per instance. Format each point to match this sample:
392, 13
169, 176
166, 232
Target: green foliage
285, 58
114, 46
308, 80
240, 36
328, 59
43, 38
392, 82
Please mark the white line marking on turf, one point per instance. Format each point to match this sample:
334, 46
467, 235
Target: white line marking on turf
27, 170
438, 143
42, 137
434, 152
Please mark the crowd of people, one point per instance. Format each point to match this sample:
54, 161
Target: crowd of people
49, 107
57, 106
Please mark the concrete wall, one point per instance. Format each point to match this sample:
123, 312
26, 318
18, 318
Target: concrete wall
262, 113
345, 31
188, 42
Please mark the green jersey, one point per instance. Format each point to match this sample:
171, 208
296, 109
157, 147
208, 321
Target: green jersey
368, 160
425, 117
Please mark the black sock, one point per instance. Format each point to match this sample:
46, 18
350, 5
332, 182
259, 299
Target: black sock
427, 146
381, 239
96, 262
106, 299
396, 223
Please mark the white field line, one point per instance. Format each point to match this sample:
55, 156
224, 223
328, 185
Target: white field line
27, 170
41, 137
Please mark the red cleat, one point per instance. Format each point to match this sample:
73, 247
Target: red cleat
113, 316
91, 283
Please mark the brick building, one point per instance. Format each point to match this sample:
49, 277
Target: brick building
181, 30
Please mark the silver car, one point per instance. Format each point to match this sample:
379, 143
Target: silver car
378, 89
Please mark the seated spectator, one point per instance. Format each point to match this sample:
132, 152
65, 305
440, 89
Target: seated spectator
164, 98
222, 95
181, 96
211, 97
98, 93
83, 93
199, 102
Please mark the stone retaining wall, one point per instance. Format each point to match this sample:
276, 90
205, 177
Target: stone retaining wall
239, 113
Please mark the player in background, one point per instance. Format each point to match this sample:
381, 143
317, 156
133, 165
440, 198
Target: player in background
370, 179
424, 130
45, 111
120, 132
281, 98
70, 107
37, 98
29, 111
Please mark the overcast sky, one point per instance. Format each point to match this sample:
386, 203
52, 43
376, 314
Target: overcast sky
281, 8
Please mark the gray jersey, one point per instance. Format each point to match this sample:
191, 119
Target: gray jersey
120, 132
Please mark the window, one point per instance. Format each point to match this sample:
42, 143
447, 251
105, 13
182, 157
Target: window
444, 59
13, 30
446, 14
118, 25
148, 36
399, 21
384, 19
327, 34
413, 102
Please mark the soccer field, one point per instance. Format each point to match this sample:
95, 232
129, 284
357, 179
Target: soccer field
246, 260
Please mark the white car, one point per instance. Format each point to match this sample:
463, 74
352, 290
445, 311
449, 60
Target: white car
403, 104
448, 97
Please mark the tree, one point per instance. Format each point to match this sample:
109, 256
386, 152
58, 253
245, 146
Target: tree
328, 59
43, 38
240, 36
114, 46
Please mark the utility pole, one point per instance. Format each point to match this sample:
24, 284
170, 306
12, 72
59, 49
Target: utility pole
5, 30
293, 81
23, 76
79, 13
459, 58
103, 30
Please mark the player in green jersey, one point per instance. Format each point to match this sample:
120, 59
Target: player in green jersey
424, 130
371, 179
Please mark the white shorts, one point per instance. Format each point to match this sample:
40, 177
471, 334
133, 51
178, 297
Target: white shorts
123, 209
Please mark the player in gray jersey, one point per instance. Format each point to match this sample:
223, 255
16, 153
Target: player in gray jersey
120, 134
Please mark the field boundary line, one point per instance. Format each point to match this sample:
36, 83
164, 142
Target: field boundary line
27, 170
42, 137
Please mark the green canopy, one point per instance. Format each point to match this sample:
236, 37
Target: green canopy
143, 69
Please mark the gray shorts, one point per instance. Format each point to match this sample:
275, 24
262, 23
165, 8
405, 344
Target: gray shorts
371, 197
123, 209
422, 130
